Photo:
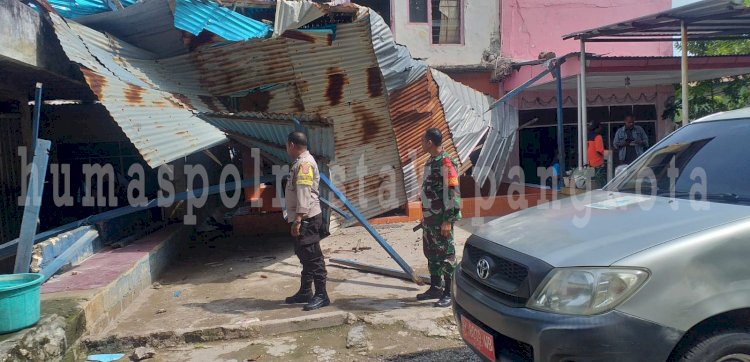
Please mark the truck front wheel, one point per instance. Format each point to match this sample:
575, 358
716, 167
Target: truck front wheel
723, 347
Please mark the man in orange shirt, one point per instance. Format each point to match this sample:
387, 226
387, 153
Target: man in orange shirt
596, 153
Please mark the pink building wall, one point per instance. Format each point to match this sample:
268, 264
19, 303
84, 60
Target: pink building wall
530, 27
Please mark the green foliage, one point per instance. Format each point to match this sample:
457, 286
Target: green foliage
715, 95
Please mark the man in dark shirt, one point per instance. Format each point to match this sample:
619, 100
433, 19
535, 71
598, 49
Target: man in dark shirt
630, 141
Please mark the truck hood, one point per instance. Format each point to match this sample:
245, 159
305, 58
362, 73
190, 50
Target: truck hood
601, 227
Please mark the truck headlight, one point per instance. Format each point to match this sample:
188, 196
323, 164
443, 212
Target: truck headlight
586, 291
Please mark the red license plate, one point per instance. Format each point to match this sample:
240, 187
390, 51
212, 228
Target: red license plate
478, 338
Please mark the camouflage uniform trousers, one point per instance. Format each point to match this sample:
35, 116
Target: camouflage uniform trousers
439, 250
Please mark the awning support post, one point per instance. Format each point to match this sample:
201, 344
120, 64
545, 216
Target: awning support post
582, 126
684, 70
578, 124
560, 133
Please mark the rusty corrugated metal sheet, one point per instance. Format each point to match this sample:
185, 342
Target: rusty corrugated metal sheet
274, 128
414, 109
162, 125
340, 81
398, 67
236, 67
344, 83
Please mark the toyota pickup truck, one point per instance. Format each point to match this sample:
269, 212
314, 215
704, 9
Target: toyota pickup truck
653, 267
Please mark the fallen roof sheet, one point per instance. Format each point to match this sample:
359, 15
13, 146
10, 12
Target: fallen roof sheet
293, 14
414, 109
76, 8
163, 126
496, 149
149, 25
270, 130
470, 124
398, 67
465, 113
194, 16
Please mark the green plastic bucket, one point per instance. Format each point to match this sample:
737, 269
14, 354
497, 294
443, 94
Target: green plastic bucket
19, 301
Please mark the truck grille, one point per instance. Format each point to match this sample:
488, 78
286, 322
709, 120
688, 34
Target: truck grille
512, 276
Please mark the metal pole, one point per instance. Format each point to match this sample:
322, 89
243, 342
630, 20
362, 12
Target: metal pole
374, 233
560, 133
684, 70
578, 125
378, 270
584, 115
36, 115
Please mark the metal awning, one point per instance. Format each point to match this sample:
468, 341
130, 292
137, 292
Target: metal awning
612, 72
705, 20
701, 21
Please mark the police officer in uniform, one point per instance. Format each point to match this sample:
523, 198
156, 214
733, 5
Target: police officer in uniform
441, 208
303, 208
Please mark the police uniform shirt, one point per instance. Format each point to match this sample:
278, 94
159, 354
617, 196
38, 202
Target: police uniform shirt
302, 189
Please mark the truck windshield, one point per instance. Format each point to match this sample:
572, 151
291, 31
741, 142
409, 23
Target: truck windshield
703, 161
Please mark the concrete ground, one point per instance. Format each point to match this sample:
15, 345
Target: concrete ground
236, 282
382, 343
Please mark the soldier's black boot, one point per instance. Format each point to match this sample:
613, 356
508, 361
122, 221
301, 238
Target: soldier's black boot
446, 300
320, 299
303, 295
435, 291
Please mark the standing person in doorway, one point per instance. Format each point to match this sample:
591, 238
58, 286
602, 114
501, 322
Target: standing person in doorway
303, 206
441, 208
630, 141
596, 153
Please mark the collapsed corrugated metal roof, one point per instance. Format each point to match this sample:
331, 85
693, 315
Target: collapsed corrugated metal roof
336, 75
161, 125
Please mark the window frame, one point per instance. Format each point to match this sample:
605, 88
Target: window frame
462, 25
408, 13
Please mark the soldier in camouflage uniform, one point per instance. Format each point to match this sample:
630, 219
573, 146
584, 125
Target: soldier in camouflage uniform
441, 208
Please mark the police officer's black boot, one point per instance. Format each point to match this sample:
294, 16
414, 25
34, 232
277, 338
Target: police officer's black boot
435, 291
446, 300
304, 294
320, 299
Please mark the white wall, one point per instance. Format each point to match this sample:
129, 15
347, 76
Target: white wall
481, 23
